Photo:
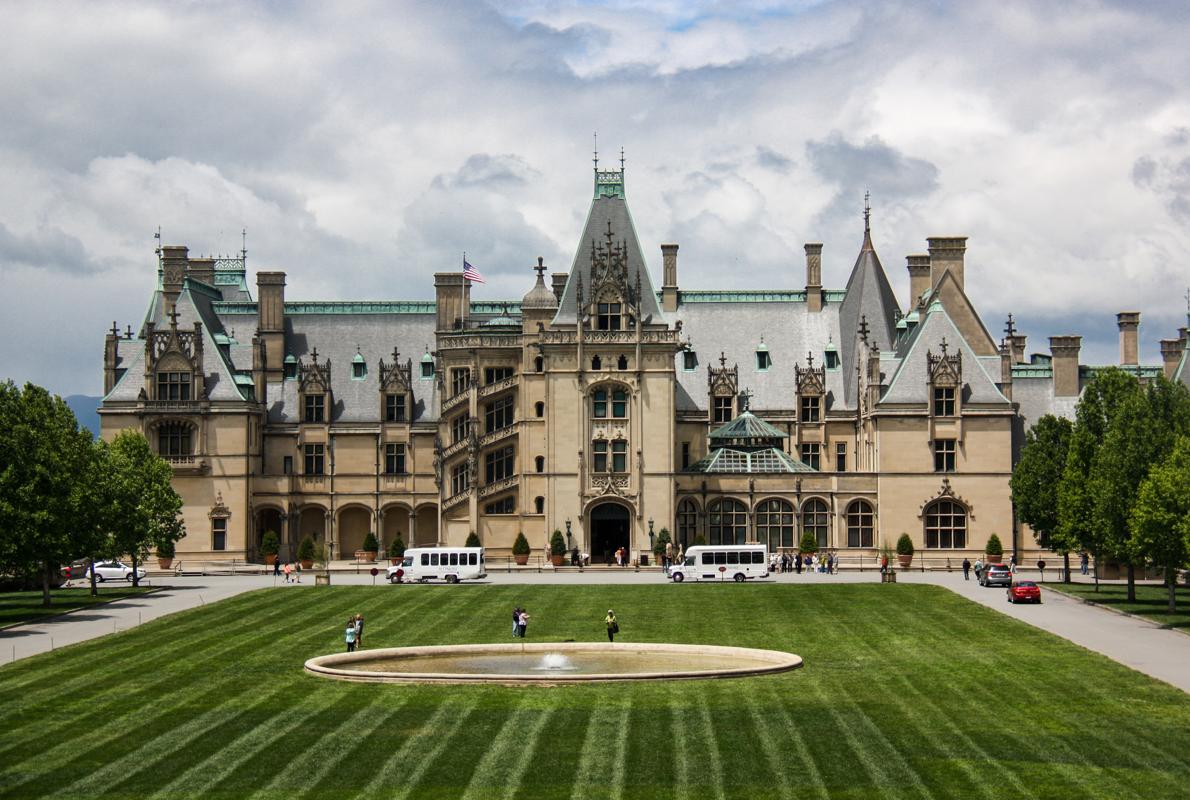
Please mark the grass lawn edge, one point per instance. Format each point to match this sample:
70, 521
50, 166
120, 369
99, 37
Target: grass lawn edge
1091, 602
33, 621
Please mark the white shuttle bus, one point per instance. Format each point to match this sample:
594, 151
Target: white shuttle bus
450, 564
736, 562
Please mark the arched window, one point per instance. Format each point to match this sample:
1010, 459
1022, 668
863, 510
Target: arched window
774, 524
539, 462
859, 524
946, 525
728, 520
596, 363
687, 522
539, 505
622, 362
539, 364
539, 408
816, 520
173, 440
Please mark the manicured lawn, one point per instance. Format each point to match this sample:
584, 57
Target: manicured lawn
19, 607
908, 691
1152, 602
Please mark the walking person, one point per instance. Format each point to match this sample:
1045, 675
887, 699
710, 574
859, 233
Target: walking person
1083, 562
359, 631
516, 621
966, 569
276, 566
978, 568
350, 634
287, 570
522, 623
613, 627
797, 562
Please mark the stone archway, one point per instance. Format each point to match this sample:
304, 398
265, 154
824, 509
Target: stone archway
355, 522
611, 528
311, 522
269, 519
427, 526
396, 522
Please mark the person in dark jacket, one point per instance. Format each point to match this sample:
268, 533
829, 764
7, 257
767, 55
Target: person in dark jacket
966, 569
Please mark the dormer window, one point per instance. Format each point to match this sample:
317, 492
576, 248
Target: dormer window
724, 409
811, 409
427, 367
609, 316
394, 408
831, 357
359, 368
315, 408
173, 386
944, 405
290, 368
763, 360
689, 360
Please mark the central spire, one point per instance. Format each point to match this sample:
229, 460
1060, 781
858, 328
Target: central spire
608, 182
867, 221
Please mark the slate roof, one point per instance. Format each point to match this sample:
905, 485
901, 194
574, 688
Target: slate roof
868, 296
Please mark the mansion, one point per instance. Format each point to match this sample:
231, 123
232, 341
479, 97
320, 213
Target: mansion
598, 405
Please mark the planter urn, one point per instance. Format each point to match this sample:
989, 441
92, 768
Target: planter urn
557, 560
991, 559
905, 561
164, 563
307, 563
270, 559
521, 560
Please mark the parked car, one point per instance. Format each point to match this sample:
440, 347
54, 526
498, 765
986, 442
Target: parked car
1024, 592
116, 571
996, 575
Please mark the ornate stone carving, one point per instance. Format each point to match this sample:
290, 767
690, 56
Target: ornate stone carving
723, 382
396, 377
811, 380
945, 369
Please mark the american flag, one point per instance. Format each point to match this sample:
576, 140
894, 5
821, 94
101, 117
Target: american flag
471, 273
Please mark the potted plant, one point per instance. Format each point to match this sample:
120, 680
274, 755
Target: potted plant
165, 554
473, 540
994, 550
659, 546
306, 553
369, 550
557, 548
808, 545
396, 551
270, 545
520, 549
904, 551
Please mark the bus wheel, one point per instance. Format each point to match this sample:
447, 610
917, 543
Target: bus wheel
452, 578
678, 577
739, 577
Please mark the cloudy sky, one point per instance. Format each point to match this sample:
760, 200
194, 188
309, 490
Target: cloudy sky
366, 145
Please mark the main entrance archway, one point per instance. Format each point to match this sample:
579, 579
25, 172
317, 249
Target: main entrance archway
610, 524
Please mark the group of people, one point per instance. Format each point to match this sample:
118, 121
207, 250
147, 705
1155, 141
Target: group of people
355, 633
810, 562
292, 571
520, 622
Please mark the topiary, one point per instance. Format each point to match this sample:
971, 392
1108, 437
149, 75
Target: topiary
472, 540
662, 540
370, 543
994, 547
521, 546
270, 544
306, 550
397, 548
557, 544
904, 545
166, 549
809, 543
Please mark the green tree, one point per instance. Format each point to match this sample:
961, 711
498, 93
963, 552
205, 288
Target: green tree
557, 544
1160, 519
809, 543
146, 506
520, 547
472, 540
1036, 479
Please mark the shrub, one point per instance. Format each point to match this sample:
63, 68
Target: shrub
904, 545
472, 540
809, 543
521, 546
699, 541
166, 549
270, 544
557, 544
397, 548
306, 550
994, 547
662, 540
370, 543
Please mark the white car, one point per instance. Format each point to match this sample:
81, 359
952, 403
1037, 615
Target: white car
116, 571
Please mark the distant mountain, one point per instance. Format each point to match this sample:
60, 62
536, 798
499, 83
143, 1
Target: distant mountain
86, 410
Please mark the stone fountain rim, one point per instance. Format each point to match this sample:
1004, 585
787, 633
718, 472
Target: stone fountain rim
333, 665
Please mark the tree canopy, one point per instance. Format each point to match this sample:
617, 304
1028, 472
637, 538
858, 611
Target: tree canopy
1036, 479
1160, 520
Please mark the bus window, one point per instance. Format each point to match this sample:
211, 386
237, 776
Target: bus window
471, 559
733, 557
720, 557
408, 562
454, 559
425, 559
757, 557
690, 560
433, 559
708, 558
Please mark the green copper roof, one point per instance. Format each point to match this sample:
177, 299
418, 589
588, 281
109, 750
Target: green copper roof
766, 460
753, 295
747, 429
366, 307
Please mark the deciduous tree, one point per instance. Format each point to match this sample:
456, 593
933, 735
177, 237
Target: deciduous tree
1160, 518
1036, 479
146, 508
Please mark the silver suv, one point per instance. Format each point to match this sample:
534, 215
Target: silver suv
996, 575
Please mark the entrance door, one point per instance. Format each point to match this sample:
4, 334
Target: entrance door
609, 531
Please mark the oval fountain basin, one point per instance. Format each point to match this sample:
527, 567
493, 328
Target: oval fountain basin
551, 663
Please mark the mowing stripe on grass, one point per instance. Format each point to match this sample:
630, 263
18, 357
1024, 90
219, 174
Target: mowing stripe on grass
706, 731
437, 730
332, 752
769, 736
598, 769
499, 772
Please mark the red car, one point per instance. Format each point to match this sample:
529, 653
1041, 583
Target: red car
1024, 591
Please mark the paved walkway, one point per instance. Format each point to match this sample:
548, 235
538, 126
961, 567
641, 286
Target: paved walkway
1139, 644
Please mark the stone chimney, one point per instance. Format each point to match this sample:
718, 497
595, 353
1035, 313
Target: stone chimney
814, 276
452, 293
1065, 351
919, 279
669, 284
270, 323
1006, 360
203, 269
1017, 343
1128, 322
174, 263
1171, 355
111, 357
559, 284
946, 253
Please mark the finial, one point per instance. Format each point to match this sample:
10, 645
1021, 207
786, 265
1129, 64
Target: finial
157, 236
173, 315
621, 158
128, 332
810, 359
396, 355
1010, 327
722, 359
540, 268
244, 245
596, 159
943, 345
314, 356
867, 212
115, 331
863, 327
357, 352
745, 400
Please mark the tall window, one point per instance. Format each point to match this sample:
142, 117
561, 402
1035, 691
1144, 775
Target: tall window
763, 360
810, 409
173, 386
494, 374
687, 522
859, 524
723, 409
539, 505
596, 363
622, 362
685, 454
498, 464
287, 465
619, 456
315, 408
539, 408
539, 364
841, 456
609, 316
619, 404
394, 459
599, 403
943, 401
811, 455
173, 439
460, 380
944, 455
728, 521
946, 525
394, 408
816, 520
458, 479
774, 524
539, 463
219, 533
599, 455
458, 428
498, 415
315, 459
